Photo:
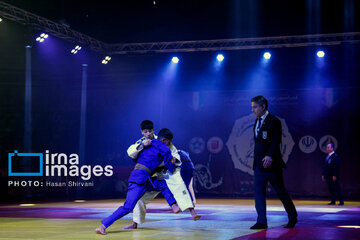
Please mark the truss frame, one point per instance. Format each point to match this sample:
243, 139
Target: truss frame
65, 32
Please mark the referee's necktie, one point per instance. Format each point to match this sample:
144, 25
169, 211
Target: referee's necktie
258, 127
328, 158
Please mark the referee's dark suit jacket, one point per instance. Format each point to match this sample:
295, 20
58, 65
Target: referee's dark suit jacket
267, 143
331, 166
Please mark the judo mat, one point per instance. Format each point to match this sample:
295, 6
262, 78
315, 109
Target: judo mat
221, 219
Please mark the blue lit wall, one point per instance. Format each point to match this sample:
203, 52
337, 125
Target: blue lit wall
196, 99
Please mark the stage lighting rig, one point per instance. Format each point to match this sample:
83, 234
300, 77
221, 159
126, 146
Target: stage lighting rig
42, 37
220, 57
175, 59
106, 60
320, 54
76, 49
267, 55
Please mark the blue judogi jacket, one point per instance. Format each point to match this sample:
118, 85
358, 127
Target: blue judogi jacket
151, 157
186, 162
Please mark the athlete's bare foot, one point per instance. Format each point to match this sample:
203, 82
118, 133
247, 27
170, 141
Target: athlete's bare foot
101, 230
131, 226
194, 215
175, 208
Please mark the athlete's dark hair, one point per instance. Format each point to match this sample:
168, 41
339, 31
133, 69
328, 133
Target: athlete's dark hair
165, 133
146, 124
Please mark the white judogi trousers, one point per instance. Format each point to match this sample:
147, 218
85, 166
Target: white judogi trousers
177, 187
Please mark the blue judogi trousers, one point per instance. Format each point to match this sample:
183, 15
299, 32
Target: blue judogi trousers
134, 193
187, 173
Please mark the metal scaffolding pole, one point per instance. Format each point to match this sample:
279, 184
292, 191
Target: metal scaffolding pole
28, 101
83, 112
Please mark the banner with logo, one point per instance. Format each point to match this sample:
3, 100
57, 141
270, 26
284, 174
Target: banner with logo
215, 127
218, 131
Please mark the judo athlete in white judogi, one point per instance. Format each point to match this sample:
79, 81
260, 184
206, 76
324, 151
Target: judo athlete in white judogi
173, 180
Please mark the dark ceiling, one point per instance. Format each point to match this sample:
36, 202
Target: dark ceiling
175, 20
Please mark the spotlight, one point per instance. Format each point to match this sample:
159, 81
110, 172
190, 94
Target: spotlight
220, 57
267, 55
320, 54
76, 49
175, 59
106, 60
42, 37
354, 226
0, 19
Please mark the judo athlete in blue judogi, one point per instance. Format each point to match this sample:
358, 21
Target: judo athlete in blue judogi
140, 181
173, 179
